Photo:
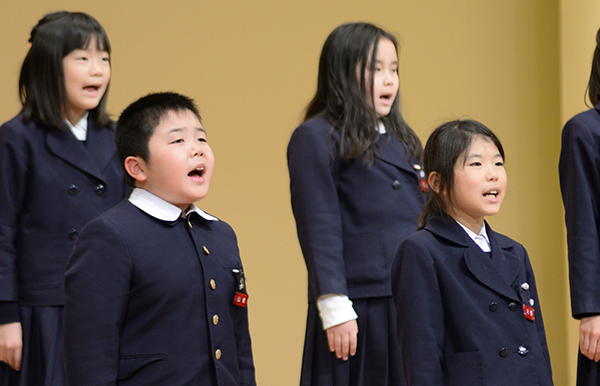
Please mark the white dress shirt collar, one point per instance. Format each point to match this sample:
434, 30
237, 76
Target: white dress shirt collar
79, 129
161, 209
480, 239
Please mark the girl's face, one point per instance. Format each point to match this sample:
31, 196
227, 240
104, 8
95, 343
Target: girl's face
479, 184
87, 73
385, 79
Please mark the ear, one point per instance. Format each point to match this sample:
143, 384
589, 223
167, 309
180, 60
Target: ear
434, 180
136, 168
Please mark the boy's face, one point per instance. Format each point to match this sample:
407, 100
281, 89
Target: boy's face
181, 162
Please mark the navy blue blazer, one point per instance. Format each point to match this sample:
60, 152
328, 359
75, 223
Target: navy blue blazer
150, 302
460, 315
579, 171
350, 217
51, 185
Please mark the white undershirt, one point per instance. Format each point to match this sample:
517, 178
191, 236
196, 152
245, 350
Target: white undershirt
79, 129
480, 239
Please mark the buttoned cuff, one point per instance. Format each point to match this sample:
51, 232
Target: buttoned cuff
335, 309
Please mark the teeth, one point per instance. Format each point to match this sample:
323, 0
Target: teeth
199, 169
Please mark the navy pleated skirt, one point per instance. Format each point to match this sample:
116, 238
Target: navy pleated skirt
377, 360
588, 371
42, 349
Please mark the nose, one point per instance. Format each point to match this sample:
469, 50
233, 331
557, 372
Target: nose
492, 173
97, 68
197, 150
388, 79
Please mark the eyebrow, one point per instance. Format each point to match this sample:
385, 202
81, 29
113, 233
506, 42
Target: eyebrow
475, 155
178, 129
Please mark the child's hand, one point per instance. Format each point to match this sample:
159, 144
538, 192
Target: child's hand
11, 344
589, 337
342, 339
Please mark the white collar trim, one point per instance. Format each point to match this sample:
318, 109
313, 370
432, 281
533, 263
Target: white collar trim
161, 209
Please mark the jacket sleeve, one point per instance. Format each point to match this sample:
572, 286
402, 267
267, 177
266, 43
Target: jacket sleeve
13, 171
579, 170
97, 290
420, 315
313, 166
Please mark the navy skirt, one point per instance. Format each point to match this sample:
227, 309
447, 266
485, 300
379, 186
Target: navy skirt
377, 360
588, 371
42, 349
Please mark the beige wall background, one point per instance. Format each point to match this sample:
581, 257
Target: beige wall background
520, 67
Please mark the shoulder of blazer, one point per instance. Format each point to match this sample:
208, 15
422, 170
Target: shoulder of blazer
447, 228
317, 127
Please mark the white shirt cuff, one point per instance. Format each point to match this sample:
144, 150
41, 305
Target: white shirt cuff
335, 309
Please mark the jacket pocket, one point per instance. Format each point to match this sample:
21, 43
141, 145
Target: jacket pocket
129, 365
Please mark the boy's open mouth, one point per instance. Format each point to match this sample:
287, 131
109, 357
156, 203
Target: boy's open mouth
197, 172
491, 193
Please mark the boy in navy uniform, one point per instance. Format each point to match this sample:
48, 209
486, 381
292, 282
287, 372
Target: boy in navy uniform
155, 290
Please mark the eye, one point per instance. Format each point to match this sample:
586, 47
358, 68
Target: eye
180, 140
500, 163
394, 71
476, 163
105, 59
202, 139
82, 58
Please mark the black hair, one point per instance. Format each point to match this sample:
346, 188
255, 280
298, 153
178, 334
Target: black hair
138, 121
342, 98
443, 149
42, 81
594, 83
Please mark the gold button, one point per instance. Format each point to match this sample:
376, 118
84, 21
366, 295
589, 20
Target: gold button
218, 354
213, 284
205, 250
216, 320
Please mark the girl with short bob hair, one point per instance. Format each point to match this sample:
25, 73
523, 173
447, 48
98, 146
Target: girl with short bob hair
60, 170
467, 307
357, 191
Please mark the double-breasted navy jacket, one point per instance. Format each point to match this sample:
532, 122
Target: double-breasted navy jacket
579, 170
460, 313
51, 185
150, 302
350, 217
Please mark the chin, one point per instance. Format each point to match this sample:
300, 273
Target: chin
383, 112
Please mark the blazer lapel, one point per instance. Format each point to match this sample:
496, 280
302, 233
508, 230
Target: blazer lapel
101, 145
490, 272
101, 148
504, 256
393, 152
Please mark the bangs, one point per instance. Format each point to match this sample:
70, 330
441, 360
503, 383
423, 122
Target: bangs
82, 29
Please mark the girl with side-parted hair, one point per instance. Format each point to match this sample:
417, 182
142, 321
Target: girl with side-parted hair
357, 191
467, 307
59, 170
